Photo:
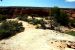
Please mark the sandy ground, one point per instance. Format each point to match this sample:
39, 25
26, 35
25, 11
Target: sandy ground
36, 39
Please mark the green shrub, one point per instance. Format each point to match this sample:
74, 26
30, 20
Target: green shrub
42, 24
72, 23
35, 21
71, 33
10, 28
24, 17
2, 18
60, 16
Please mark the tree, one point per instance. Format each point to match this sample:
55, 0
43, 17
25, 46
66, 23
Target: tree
63, 18
60, 16
55, 11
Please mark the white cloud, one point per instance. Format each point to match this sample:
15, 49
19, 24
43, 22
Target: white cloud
70, 0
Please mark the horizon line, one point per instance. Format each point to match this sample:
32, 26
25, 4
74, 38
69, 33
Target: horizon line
38, 6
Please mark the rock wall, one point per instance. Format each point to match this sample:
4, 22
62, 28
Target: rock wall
13, 11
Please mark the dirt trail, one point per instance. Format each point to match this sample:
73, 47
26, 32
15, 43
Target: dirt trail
36, 39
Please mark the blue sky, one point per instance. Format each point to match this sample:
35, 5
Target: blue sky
39, 3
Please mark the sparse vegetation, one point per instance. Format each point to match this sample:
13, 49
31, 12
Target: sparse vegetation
34, 21
10, 28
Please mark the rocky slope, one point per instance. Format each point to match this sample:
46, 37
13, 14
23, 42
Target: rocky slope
37, 39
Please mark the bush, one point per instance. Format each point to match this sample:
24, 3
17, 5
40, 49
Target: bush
63, 18
24, 17
2, 18
41, 24
60, 16
10, 28
35, 21
71, 33
72, 23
